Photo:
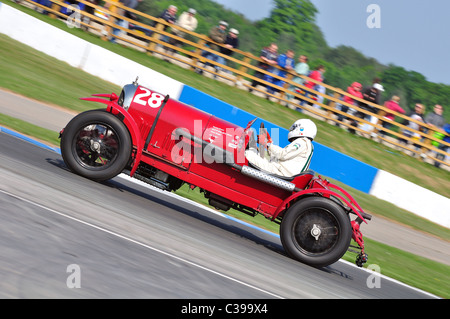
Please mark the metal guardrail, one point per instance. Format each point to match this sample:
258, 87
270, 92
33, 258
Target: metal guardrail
245, 65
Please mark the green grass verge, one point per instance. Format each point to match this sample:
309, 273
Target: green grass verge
46, 136
38, 76
408, 268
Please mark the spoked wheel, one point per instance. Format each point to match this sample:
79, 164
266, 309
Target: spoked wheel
96, 144
316, 231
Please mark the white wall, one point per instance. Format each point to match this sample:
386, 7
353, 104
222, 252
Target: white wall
412, 197
80, 53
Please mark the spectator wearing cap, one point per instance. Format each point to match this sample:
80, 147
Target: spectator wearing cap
376, 84
187, 21
371, 94
217, 34
170, 16
232, 42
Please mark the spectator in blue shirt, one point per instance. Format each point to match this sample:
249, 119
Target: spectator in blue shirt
287, 63
269, 57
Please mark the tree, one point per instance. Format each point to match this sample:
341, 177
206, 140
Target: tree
288, 15
297, 19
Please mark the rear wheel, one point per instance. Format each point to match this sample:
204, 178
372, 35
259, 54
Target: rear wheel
96, 145
316, 231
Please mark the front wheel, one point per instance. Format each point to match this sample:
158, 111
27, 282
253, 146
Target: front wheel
316, 231
96, 144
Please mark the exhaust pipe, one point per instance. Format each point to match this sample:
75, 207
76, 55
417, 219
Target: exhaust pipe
266, 178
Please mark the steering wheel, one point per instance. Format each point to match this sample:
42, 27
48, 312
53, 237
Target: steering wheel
249, 124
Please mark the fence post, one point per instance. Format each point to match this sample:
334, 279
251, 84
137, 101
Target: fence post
427, 141
286, 85
381, 113
332, 104
243, 69
107, 31
55, 7
198, 53
152, 44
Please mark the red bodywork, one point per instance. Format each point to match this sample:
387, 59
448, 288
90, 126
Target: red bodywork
173, 137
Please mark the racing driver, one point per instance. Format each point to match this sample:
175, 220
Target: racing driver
290, 160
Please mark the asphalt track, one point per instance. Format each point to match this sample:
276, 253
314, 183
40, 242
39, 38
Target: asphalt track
123, 239
131, 241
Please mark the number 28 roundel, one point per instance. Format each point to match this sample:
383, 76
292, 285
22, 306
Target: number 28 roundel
145, 97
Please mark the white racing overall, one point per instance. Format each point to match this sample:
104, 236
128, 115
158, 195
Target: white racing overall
289, 161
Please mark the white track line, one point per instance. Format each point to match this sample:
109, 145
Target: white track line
141, 244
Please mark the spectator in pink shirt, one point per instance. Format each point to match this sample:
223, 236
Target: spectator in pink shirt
317, 75
392, 104
353, 90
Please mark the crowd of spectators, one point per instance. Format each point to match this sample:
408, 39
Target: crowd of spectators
187, 21
286, 63
228, 40
221, 40
357, 95
272, 67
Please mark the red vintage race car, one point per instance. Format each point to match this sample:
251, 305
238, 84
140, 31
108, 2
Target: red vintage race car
167, 143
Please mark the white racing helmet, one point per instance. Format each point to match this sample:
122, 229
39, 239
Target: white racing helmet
302, 128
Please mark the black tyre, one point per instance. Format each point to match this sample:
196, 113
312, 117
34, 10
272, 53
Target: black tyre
316, 231
96, 144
